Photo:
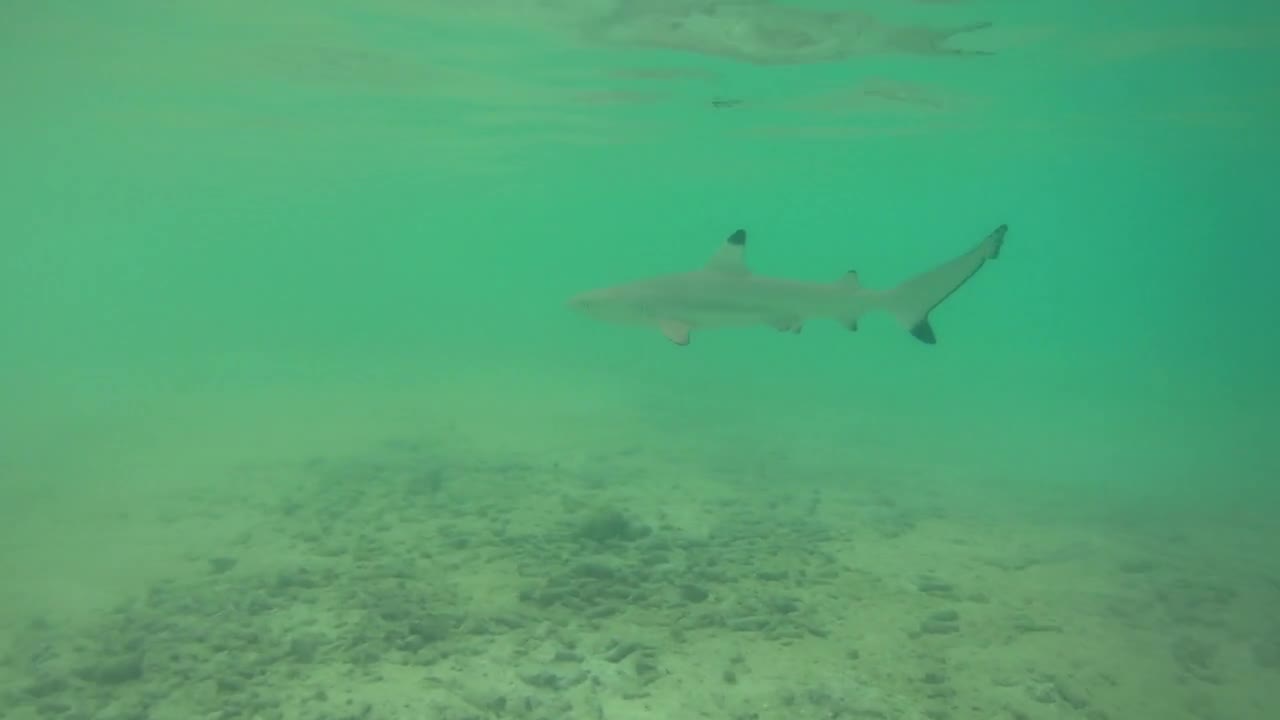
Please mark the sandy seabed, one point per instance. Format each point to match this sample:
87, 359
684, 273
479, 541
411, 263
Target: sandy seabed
459, 571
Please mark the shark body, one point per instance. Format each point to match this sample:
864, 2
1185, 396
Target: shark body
725, 293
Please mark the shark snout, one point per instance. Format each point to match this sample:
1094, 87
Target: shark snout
586, 301
578, 302
599, 304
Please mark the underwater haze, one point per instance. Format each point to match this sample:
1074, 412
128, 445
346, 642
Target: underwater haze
297, 421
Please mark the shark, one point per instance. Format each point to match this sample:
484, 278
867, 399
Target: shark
724, 292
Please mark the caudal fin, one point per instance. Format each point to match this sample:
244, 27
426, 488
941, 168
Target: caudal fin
912, 301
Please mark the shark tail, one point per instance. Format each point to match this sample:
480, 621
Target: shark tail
913, 300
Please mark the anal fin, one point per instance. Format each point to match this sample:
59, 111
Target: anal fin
792, 325
675, 331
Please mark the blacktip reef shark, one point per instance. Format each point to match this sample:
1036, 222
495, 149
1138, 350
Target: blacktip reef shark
725, 293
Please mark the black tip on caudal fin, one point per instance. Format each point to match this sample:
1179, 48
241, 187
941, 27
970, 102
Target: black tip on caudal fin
995, 241
923, 332
912, 301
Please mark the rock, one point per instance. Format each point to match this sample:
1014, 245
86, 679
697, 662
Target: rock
942, 622
694, 593
47, 685
1071, 693
115, 671
931, 585
219, 565
1266, 651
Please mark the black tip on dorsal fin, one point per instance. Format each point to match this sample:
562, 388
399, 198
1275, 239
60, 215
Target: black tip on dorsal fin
923, 332
739, 238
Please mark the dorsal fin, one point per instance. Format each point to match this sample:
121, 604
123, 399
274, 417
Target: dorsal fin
731, 257
850, 279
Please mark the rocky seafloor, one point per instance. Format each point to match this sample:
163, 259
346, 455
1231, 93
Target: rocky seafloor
405, 585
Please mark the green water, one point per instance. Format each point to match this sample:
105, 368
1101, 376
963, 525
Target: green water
236, 237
